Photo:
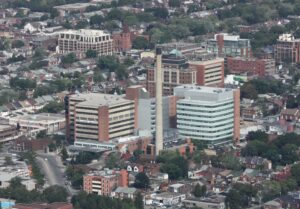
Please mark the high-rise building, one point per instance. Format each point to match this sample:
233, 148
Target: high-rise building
145, 109
99, 117
229, 45
210, 72
79, 41
208, 114
147, 113
175, 72
287, 49
104, 182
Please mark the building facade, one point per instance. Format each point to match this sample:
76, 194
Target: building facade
210, 72
211, 115
79, 41
226, 45
287, 49
7, 131
175, 72
147, 111
123, 40
99, 117
104, 182
260, 67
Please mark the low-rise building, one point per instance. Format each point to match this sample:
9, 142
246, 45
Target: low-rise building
32, 124
215, 201
290, 115
125, 192
55, 205
7, 131
104, 182
260, 67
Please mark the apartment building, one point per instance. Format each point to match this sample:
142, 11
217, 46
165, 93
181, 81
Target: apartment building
208, 114
79, 41
175, 71
210, 72
104, 182
99, 117
287, 49
226, 45
260, 67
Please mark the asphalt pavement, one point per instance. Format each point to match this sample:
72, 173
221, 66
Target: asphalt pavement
54, 170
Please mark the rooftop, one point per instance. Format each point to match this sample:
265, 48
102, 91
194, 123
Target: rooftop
98, 99
203, 93
86, 32
40, 117
127, 190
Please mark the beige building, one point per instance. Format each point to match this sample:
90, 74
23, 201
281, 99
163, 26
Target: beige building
79, 41
99, 117
210, 72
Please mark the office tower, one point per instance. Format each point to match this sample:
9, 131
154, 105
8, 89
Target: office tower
208, 114
99, 117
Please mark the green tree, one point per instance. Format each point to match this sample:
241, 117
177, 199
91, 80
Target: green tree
17, 44
173, 164
141, 181
199, 190
248, 91
257, 135
41, 134
82, 24
68, 59
128, 61
295, 171
174, 3
140, 42
240, 196
55, 194
289, 154
96, 20
270, 190
53, 107
91, 53
138, 201
229, 161
64, 154
8, 161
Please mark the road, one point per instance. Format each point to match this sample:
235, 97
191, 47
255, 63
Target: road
54, 170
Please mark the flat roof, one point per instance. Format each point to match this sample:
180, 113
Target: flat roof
206, 62
205, 89
74, 6
86, 32
40, 117
99, 99
5, 126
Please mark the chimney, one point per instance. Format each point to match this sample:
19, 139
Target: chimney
159, 106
